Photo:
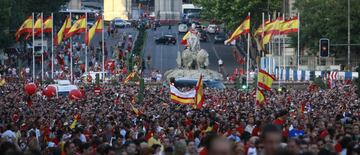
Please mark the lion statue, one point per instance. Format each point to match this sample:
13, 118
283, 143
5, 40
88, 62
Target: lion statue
187, 58
202, 59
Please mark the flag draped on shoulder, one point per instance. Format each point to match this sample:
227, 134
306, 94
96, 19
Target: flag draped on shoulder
199, 97
97, 27
265, 80
60, 34
78, 27
260, 97
242, 29
26, 27
48, 24
177, 96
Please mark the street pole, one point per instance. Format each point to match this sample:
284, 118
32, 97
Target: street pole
283, 52
298, 43
269, 46
349, 34
71, 59
33, 46
262, 33
52, 46
103, 49
86, 46
248, 58
42, 47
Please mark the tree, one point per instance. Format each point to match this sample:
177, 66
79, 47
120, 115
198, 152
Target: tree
233, 12
14, 12
327, 19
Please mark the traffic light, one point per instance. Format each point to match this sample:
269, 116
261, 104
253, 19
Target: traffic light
243, 83
324, 47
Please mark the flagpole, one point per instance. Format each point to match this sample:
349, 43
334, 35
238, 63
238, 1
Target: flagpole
33, 46
247, 59
283, 39
42, 47
279, 51
86, 46
269, 46
71, 65
262, 33
52, 46
298, 43
103, 48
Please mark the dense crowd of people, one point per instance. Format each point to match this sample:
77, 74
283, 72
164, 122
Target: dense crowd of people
114, 121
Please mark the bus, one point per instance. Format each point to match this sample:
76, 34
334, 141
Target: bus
190, 11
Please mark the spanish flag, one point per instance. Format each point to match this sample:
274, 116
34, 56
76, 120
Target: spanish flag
78, 27
135, 110
199, 97
60, 34
129, 77
185, 38
265, 80
26, 27
48, 24
179, 97
270, 30
242, 29
97, 27
37, 26
290, 26
260, 97
76, 119
259, 31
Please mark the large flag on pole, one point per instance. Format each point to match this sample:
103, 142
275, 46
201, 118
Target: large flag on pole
199, 98
60, 34
78, 27
270, 30
37, 26
177, 96
48, 24
290, 26
26, 27
242, 29
97, 27
265, 80
259, 31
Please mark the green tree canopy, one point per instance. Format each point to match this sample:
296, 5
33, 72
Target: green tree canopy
233, 12
327, 19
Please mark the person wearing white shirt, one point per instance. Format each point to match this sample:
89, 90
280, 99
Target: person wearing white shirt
9, 135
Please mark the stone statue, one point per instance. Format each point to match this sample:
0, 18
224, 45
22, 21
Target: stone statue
193, 61
193, 53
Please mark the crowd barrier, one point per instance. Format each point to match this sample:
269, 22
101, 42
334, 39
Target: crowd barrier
289, 74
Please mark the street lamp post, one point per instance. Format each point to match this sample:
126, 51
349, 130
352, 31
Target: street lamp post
348, 34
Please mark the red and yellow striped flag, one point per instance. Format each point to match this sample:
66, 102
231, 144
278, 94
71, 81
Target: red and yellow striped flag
179, 97
185, 38
129, 77
265, 80
260, 97
78, 27
290, 26
58, 38
48, 24
26, 27
270, 30
259, 31
244, 28
37, 26
97, 27
199, 97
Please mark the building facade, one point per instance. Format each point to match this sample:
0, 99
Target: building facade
168, 9
117, 9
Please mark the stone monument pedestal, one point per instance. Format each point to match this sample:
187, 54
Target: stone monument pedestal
193, 74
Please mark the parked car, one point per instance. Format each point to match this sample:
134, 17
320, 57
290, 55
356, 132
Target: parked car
203, 36
212, 29
219, 38
121, 23
166, 39
182, 28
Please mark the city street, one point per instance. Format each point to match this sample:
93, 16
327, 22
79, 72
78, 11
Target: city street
164, 56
